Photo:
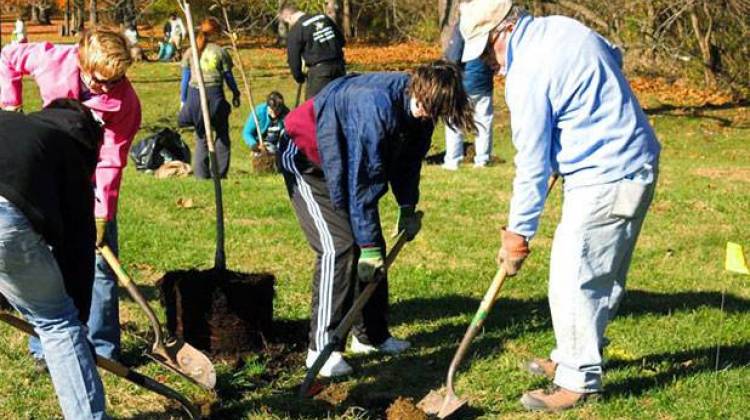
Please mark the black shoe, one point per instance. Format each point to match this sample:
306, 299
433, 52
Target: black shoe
40, 366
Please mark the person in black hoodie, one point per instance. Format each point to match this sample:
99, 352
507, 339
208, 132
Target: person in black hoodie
317, 40
47, 239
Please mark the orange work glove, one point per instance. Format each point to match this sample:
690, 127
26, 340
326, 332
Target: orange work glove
513, 252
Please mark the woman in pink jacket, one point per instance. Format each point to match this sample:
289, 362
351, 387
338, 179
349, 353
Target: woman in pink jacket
92, 71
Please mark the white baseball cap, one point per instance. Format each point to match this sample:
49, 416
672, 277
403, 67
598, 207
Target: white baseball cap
477, 19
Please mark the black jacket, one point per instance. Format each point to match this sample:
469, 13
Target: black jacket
46, 172
316, 38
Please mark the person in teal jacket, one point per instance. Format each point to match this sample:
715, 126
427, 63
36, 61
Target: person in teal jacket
271, 119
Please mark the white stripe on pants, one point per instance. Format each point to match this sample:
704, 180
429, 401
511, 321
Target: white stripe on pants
325, 288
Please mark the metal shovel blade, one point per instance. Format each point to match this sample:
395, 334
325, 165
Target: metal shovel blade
435, 404
432, 402
176, 355
185, 360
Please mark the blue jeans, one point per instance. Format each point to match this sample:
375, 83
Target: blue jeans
31, 280
104, 320
454, 140
591, 255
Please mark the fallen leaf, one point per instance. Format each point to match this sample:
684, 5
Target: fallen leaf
185, 203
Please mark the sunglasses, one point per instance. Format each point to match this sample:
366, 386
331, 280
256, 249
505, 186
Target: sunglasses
107, 83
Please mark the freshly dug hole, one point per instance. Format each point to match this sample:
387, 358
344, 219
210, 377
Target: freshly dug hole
224, 313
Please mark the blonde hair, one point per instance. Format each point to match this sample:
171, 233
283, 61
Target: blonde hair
104, 52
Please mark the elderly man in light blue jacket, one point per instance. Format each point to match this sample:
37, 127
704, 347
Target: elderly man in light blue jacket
573, 114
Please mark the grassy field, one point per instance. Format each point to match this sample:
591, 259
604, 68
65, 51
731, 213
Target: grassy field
664, 343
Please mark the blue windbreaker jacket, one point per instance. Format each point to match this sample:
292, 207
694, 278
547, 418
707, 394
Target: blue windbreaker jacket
368, 139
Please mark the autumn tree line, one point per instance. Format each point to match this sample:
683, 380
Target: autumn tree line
705, 40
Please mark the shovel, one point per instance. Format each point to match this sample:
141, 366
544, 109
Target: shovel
443, 406
174, 354
342, 330
119, 370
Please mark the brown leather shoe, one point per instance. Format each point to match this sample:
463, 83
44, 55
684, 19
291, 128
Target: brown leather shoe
541, 367
553, 399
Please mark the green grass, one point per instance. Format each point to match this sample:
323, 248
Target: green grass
661, 361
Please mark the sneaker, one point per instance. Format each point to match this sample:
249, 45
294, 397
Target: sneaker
541, 367
334, 366
449, 166
480, 165
40, 365
389, 346
553, 399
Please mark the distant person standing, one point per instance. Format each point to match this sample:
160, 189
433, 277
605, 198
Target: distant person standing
477, 80
176, 32
131, 35
19, 32
216, 66
317, 40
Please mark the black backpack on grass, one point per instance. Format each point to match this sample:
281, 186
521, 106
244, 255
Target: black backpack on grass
164, 146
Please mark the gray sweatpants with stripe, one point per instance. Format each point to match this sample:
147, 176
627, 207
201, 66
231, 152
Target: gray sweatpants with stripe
329, 234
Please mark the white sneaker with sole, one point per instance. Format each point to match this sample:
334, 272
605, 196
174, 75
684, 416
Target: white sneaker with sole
390, 346
449, 166
334, 366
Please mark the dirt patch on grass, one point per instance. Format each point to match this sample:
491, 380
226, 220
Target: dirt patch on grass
404, 409
334, 393
728, 174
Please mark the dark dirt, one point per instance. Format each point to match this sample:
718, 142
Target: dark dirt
264, 163
222, 312
404, 409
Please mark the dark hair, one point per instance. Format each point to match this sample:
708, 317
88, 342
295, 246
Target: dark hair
439, 87
173, 15
275, 101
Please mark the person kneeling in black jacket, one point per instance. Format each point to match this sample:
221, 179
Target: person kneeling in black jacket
47, 237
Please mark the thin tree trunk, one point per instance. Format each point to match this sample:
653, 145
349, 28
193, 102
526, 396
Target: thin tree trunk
281, 29
704, 43
35, 14
395, 10
346, 20
92, 13
66, 19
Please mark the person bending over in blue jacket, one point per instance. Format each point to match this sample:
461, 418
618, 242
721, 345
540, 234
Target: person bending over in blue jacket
341, 151
271, 120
